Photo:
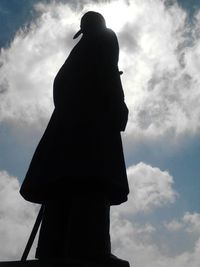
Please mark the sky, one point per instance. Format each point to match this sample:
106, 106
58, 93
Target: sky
160, 59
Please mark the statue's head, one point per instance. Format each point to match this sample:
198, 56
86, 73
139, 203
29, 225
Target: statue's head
91, 22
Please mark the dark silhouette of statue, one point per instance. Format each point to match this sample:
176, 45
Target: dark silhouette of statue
78, 169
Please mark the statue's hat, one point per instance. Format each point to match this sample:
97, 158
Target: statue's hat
91, 21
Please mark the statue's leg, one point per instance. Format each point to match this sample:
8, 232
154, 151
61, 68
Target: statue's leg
88, 227
75, 227
51, 236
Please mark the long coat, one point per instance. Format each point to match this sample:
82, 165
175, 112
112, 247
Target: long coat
81, 149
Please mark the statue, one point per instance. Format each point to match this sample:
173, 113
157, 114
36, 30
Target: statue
78, 171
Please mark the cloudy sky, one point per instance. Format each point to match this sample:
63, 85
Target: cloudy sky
160, 57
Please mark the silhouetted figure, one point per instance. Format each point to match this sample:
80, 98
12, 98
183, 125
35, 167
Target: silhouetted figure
78, 169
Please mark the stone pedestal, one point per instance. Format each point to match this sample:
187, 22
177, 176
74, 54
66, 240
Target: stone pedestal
62, 263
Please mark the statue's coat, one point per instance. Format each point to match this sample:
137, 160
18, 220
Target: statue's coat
81, 149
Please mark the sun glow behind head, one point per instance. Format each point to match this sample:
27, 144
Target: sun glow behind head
116, 14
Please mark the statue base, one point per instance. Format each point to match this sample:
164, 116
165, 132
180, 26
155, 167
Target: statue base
63, 263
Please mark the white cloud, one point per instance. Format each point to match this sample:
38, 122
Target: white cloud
173, 225
159, 56
29, 65
16, 218
162, 89
145, 245
190, 222
150, 188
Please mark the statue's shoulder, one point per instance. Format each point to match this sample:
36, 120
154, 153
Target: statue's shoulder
109, 33
109, 36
